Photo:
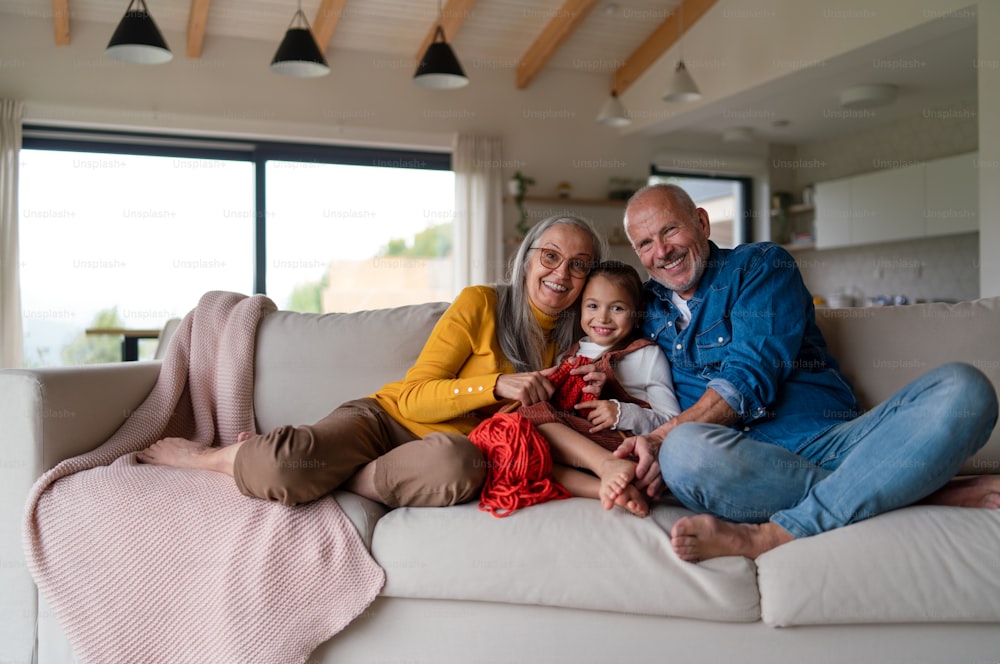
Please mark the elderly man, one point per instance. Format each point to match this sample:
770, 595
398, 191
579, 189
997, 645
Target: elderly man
771, 444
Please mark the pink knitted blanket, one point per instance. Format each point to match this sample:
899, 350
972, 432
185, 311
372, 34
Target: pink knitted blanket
146, 563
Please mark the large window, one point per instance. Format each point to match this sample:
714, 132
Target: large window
128, 234
727, 201
346, 238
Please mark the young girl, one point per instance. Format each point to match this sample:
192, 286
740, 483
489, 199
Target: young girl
638, 380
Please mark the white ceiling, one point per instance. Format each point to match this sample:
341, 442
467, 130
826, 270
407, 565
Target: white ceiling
933, 65
495, 32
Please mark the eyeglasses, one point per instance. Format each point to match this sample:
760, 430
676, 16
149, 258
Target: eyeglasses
552, 259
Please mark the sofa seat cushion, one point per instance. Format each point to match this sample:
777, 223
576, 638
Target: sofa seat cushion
564, 553
918, 564
362, 512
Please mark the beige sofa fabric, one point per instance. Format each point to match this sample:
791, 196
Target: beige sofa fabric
878, 571
568, 553
881, 349
308, 364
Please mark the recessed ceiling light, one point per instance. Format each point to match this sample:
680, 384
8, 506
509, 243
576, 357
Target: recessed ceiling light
870, 95
738, 135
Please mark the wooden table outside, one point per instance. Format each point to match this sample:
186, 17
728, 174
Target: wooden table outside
130, 339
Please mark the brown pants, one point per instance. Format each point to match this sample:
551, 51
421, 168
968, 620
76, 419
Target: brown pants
294, 465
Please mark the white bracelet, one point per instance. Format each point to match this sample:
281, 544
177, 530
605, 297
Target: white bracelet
618, 414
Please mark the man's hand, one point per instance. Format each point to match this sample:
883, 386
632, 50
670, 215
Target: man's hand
647, 471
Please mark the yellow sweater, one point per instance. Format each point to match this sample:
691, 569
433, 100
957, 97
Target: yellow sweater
457, 369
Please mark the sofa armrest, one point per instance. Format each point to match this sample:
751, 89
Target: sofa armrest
51, 414
47, 415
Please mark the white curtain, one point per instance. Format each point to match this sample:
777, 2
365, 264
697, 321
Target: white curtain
11, 334
478, 247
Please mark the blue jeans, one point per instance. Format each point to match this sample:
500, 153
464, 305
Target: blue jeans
893, 455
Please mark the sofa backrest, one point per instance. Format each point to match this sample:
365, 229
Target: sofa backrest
307, 364
881, 349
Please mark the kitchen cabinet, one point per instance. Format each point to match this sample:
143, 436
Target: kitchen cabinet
952, 195
887, 205
920, 200
833, 214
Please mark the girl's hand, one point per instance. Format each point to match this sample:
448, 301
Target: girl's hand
594, 379
601, 414
528, 388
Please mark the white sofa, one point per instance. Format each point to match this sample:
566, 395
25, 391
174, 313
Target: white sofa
565, 581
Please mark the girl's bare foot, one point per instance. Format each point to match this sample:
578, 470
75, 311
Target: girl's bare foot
615, 475
700, 537
980, 491
184, 453
633, 500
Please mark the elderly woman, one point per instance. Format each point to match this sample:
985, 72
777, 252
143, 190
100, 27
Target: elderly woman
406, 444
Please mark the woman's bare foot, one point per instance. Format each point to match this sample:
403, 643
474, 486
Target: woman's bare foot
615, 475
700, 537
633, 500
184, 453
980, 491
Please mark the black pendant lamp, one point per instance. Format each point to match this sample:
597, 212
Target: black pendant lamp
298, 54
137, 39
439, 68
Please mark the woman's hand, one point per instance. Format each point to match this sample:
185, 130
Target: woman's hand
601, 414
528, 388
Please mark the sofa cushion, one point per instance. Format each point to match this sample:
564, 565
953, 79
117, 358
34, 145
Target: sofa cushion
362, 512
308, 364
566, 553
918, 564
881, 349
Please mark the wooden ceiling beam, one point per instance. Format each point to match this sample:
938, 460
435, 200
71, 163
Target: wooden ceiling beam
60, 21
665, 35
327, 17
197, 22
453, 15
562, 25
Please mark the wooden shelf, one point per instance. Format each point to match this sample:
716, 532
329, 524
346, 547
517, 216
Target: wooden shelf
800, 208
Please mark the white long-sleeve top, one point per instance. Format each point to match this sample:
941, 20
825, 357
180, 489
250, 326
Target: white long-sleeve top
645, 375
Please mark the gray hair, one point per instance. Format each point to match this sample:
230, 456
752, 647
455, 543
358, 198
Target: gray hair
676, 193
520, 337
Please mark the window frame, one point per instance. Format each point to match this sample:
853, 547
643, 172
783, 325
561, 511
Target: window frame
745, 183
256, 151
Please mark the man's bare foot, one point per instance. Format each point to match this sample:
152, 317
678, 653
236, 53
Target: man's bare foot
980, 491
700, 537
184, 453
633, 500
615, 475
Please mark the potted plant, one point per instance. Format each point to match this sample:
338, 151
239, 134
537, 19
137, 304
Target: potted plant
518, 186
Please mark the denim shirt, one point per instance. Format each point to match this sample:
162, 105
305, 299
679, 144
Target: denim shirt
753, 339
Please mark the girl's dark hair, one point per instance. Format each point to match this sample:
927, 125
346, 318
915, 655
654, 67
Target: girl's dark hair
624, 276
627, 278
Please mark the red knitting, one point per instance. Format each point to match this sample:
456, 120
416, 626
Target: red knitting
569, 387
518, 465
